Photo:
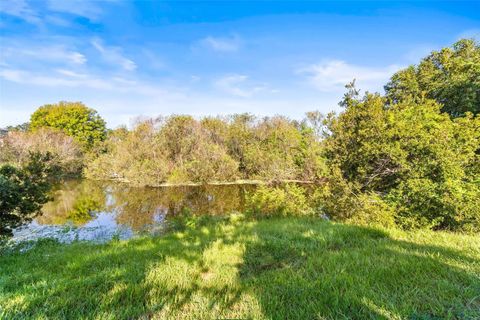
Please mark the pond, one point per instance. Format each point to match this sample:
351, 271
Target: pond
99, 211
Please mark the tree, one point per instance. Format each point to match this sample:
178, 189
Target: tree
74, 118
451, 76
408, 159
23, 191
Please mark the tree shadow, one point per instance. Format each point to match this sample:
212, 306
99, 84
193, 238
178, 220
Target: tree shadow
351, 272
294, 269
59, 282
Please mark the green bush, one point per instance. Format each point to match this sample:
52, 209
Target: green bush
286, 200
23, 191
342, 200
414, 158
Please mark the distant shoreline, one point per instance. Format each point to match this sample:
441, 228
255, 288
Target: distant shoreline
210, 183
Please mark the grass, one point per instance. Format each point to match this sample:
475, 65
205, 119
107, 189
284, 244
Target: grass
284, 268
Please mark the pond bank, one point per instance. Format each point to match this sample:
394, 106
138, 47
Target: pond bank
232, 267
217, 183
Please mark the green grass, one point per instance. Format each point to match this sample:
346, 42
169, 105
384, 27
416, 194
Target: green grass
285, 268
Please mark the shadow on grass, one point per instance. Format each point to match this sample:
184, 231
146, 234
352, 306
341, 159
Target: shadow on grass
294, 268
352, 272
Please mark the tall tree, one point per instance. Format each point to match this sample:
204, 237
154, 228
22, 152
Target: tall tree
451, 76
74, 118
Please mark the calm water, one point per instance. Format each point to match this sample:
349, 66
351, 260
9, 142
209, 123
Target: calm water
100, 211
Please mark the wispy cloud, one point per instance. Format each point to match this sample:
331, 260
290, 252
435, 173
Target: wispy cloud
228, 44
59, 78
39, 13
236, 84
57, 54
113, 55
82, 8
333, 75
63, 78
20, 9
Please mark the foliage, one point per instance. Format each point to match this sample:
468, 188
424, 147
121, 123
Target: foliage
23, 191
74, 118
277, 268
134, 156
451, 76
409, 155
20, 127
182, 149
288, 199
66, 154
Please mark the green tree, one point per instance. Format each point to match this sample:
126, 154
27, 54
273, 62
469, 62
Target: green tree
23, 191
451, 76
408, 157
78, 121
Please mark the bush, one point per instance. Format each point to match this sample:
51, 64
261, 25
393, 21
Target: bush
181, 149
23, 191
211, 162
136, 157
410, 156
342, 200
288, 199
65, 154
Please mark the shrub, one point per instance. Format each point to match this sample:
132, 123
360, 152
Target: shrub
342, 200
23, 191
181, 149
288, 199
210, 162
65, 154
416, 159
136, 156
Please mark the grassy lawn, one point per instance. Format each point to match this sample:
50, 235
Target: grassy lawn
285, 268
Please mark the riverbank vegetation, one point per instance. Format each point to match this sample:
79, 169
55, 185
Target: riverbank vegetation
238, 268
184, 149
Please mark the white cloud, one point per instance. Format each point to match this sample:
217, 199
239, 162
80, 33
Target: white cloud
82, 8
113, 55
230, 44
236, 84
71, 79
38, 16
333, 75
20, 9
56, 54
70, 73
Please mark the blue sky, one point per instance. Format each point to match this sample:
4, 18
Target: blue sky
139, 58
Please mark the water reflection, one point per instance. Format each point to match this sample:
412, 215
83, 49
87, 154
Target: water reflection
93, 210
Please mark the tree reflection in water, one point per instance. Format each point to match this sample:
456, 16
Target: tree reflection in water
141, 209
74, 201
